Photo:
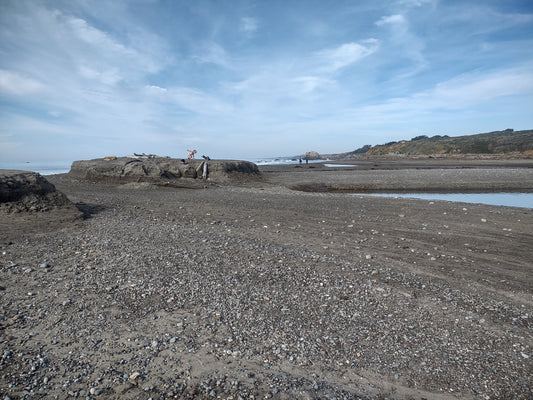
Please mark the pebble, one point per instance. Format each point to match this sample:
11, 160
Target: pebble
134, 376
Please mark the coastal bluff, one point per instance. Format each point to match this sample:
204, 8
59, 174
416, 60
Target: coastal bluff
162, 170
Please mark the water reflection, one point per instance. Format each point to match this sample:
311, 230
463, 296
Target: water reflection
495, 199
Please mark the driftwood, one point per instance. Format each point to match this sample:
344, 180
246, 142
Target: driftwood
203, 168
144, 155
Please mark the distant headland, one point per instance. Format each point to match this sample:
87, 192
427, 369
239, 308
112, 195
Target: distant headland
497, 143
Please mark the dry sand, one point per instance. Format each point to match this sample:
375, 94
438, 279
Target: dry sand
260, 291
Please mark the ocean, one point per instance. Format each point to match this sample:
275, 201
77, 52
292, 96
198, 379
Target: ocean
281, 161
42, 167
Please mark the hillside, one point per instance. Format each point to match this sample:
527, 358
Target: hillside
498, 142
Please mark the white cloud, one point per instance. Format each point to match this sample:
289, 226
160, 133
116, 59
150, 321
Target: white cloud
459, 94
417, 3
58, 49
306, 85
469, 89
15, 84
249, 25
331, 60
213, 53
110, 76
156, 89
403, 44
190, 99
396, 19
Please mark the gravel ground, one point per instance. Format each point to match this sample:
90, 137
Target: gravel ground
263, 292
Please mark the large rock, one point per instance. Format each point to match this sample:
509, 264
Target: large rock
161, 170
312, 155
22, 191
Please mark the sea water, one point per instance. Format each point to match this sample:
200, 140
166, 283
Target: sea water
42, 167
508, 199
282, 161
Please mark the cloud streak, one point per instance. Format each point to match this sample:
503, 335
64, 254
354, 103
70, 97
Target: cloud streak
332, 60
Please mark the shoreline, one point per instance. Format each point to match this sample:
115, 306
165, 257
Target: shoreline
259, 290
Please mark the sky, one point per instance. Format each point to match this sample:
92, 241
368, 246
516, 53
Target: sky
244, 79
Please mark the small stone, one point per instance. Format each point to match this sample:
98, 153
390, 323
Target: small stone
94, 391
483, 220
44, 265
134, 376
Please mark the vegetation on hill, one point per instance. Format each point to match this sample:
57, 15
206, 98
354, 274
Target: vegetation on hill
499, 142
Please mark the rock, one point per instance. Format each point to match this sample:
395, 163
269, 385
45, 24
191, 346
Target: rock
161, 170
134, 376
25, 191
312, 155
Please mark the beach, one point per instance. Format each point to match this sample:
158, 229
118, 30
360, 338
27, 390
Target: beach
284, 287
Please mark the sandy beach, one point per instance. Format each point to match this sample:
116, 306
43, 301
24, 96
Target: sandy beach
283, 287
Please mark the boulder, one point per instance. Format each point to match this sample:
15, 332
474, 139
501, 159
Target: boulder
161, 170
312, 155
24, 191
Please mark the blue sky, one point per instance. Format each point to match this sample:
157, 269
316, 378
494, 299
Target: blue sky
245, 79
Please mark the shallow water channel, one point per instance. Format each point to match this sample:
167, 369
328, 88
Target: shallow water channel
494, 199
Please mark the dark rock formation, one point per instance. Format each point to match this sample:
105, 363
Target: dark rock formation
161, 170
22, 191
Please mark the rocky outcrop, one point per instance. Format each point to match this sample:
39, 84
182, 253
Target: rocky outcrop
162, 170
24, 191
312, 155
